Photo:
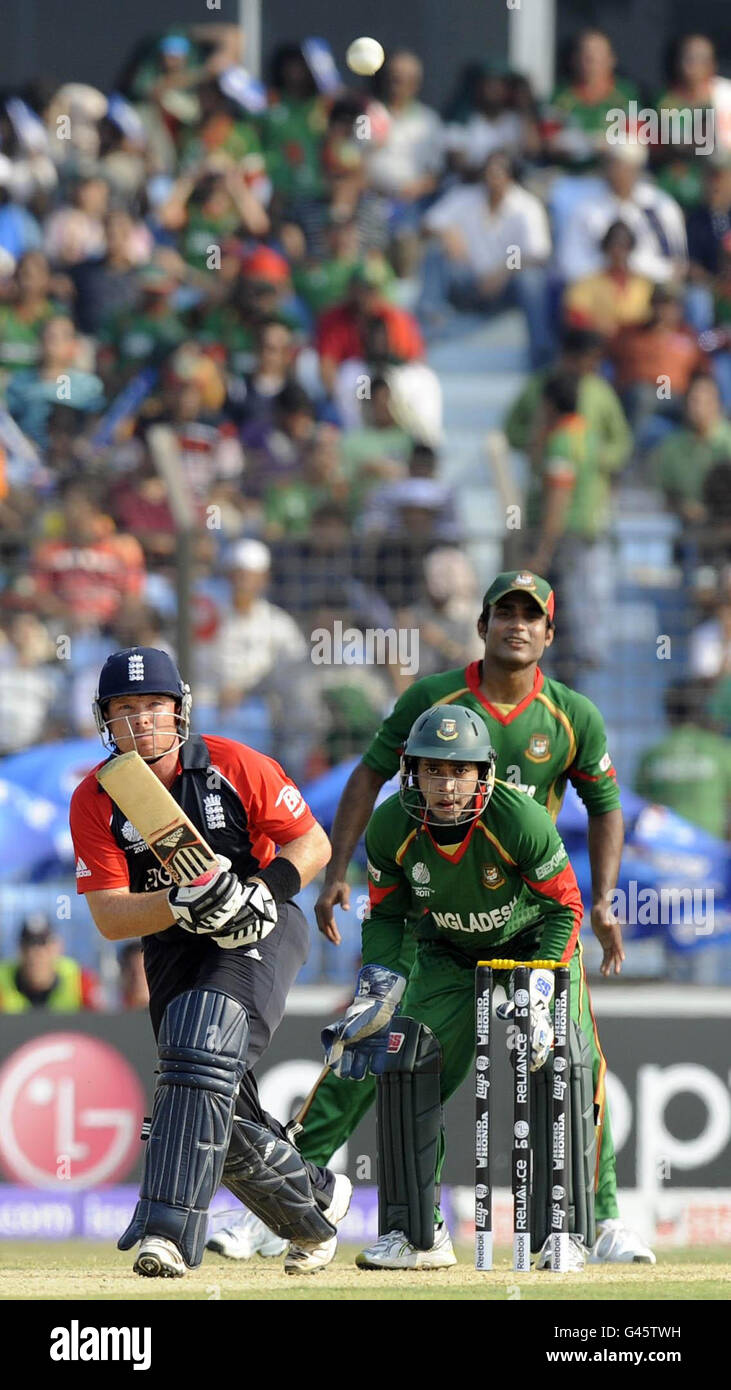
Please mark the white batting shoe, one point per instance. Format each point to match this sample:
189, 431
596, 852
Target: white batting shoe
158, 1258
245, 1237
395, 1251
577, 1254
615, 1244
308, 1259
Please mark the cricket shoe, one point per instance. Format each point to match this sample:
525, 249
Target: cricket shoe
244, 1237
577, 1254
308, 1259
615, 1244
395, 1251
158, 1258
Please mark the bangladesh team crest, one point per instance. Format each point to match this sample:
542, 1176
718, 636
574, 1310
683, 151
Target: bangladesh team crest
524, 580
492, 876
539, 748
447, 730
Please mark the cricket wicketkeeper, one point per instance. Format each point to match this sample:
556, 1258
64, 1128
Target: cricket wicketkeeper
220, 958
485, 873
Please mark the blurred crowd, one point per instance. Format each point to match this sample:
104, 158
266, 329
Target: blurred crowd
236, 284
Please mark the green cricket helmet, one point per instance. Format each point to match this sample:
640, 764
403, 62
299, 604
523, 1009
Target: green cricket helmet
447, 733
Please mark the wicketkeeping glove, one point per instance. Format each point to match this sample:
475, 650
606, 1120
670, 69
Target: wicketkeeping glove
541, 1023
357, 1043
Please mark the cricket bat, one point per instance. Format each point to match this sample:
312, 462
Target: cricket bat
155, 813
295, 1125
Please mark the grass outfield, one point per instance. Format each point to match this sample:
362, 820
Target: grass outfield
86, 1270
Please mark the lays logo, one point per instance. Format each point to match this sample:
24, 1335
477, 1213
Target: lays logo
539, 748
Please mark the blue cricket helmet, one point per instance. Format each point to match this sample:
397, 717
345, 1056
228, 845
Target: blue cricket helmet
141, 671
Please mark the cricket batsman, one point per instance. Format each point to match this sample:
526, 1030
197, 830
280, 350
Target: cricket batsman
220, 957
484, 873
543, 734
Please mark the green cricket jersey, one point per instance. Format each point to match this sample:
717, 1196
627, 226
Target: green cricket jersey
591, 117
510, 873
552, 736
690, 771
571, 459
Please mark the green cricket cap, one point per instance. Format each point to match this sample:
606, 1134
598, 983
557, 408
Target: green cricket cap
521, 582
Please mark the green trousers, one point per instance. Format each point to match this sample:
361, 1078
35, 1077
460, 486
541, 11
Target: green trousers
441, 993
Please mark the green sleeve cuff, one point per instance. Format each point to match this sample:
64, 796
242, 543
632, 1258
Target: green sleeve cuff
553, 940
599, 798
383, 944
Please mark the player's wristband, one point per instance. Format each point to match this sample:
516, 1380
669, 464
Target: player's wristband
281, 878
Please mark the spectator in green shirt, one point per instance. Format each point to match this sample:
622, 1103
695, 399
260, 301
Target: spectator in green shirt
580, 107
680, 463
322, 282
293, 127
25, 315
289, 504
690, 769
181, 61
569, 493
144, 333
597, 402
695, 87
376, 452
231, 324
569, 514
207, 206
719, 706
222, 127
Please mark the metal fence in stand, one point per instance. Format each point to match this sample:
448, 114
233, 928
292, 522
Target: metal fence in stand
367, 626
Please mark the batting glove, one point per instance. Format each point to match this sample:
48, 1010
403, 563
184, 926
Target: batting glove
357, 1043
256, 917
210, 902
541, 1024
